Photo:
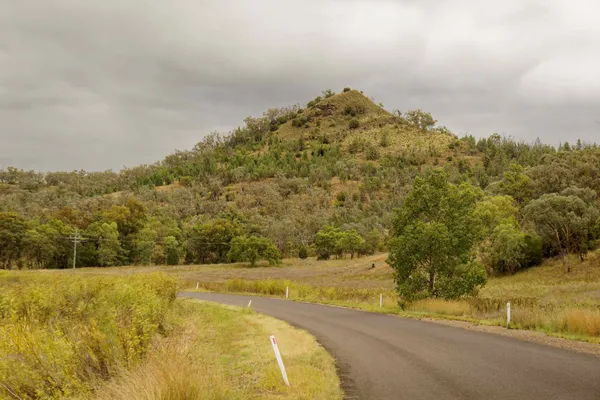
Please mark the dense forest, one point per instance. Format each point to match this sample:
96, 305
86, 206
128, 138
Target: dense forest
324, 179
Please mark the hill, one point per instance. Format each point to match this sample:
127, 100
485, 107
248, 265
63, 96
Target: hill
341, 160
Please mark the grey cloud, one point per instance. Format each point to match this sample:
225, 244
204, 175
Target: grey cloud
100, 85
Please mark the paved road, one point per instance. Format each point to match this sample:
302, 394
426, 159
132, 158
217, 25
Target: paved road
386, 357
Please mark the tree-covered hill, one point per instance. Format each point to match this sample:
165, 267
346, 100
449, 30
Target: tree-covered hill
339, 165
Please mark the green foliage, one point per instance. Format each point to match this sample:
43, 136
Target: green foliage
251, 249
12, 234
108, 249
327, 93
347, 89
172, 250
385, 140
435, 234
516, 184
511, 250
419, 119
564, 221
353, 124
210, 242
371, 152
62, 334
333, 241
303, 253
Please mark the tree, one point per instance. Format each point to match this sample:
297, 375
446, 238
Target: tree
516, 184
325, 242
12, 233
172, 250
145, 241
350, 242
506, 248
435, 234
419, 119
210, 242
251, 249
563, 221
494, 210
109, 249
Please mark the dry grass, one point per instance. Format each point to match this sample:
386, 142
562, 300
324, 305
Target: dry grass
224, 352
544, 298
441, 307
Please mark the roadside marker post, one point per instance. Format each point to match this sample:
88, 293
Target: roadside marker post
287, 292
507, 314
279, 360
249, 303
380, 300
197, 285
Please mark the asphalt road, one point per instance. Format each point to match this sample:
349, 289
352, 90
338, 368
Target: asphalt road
386, 357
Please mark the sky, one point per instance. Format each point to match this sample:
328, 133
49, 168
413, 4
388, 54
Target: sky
109, 84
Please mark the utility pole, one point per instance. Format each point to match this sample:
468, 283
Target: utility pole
76, 238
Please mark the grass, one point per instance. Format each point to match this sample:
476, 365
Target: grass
224, 352
68, 335
61, 334
544, 298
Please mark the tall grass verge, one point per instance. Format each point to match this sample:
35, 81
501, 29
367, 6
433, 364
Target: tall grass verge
221, 352
61, 333
572, 320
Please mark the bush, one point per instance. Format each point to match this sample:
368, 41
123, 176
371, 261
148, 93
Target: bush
371, 153
354, 123
61, 334
347, 89
303, 253
385, 140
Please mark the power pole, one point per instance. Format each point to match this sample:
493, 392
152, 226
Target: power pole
76, 238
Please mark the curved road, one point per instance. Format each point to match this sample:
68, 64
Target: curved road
386, 357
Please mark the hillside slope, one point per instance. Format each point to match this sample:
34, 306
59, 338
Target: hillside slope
341, 160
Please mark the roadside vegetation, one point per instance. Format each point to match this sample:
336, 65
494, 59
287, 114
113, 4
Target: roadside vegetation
219, 352
543, 298
75, 336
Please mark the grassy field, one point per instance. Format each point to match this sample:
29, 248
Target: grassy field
224, 352
545, 298
74, 336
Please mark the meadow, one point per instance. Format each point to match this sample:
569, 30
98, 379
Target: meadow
543, 298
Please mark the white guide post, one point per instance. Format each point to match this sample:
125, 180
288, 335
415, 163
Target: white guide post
508, 314
197, 285
279, 360
287, 292
380, 300
249, 303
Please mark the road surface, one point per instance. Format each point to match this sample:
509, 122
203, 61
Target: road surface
386, 357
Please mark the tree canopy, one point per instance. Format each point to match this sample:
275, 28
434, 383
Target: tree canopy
434, 237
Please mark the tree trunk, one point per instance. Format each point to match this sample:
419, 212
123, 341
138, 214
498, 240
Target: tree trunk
565, 262
431, 282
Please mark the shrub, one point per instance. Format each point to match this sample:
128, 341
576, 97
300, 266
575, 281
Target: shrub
354, 123
385, 140
356, 145
371, 153
303, 253
347, 89
60, 334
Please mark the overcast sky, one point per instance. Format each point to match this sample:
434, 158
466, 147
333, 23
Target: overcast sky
104, 84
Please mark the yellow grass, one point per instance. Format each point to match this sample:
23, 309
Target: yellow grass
441, 307
224, 352
542, 298
60, 334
